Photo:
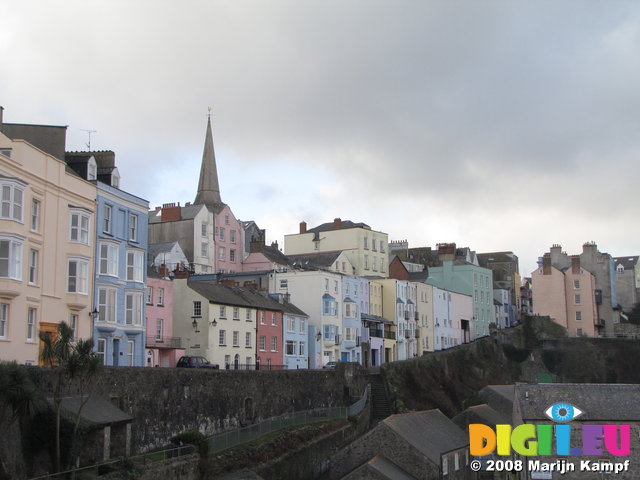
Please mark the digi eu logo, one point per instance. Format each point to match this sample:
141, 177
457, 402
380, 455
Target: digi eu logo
533, 440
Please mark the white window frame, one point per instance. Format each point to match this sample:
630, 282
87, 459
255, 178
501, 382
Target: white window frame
197, 308
203, 229
81, 275
32, 320
149, 295
135, 266
33, 266
302, 348
133, 227
133, 308
101, 350
108, 259
160, 296
204, 249
290, 348
159, 329
232, 255
107, 301
274, 344
73, 325
263, 343
302, 324
274, 319
221, 234
35, 214
236, 313
221, 253
81, 230
232, 236
13, 260
131, 350
247, 340
12, 200
236, 338
4, 320
291, 324
222, 338
107, 219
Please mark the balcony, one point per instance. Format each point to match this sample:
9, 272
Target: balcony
164, 342
390, 335
376, 332
338, 339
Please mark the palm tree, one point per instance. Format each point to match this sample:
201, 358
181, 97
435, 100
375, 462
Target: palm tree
70, 361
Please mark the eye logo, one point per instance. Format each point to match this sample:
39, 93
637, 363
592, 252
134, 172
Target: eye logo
563, 412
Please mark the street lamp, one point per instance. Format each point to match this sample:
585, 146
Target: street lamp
195, 324
94, 314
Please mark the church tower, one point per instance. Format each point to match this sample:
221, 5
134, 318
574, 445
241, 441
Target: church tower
208, 187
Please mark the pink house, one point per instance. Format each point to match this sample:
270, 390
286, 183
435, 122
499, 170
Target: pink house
163, 349
270, 348
566, 295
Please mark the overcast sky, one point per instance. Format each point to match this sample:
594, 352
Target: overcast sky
498, 125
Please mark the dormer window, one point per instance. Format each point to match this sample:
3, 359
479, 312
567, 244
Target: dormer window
115, 178
92, 169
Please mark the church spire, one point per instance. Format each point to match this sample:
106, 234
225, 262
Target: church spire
208, 188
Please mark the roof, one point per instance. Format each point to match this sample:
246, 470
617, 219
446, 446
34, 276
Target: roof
385, 468
599, 402
629, 263
208, 188
320, 259
480, 414
188, 212
344, 224
496, 257
274, 255
98, 411
157, 248
235, 296
430, 432
499, 397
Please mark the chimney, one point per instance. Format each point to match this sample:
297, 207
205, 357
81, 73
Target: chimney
256, 244
589, 247
447, 251
303, 227
575, 263
274, 245
164, 271
546, 264
170, 212
337, 223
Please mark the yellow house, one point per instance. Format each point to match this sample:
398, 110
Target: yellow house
366, 249
47, 241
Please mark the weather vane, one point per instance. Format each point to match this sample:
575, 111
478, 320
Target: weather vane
209, 114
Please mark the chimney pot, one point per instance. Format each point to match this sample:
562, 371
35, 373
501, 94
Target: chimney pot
337, 223
303, 227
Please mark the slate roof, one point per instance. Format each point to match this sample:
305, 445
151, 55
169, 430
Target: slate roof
480, 414
187, 212
345, 224
430, 432
320, 259
157, 248
97, 411
387, 469
239, 296
628, 263
274, 255
499, 397
496, 257
599, 402
420, 277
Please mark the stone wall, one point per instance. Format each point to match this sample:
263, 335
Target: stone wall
167, 401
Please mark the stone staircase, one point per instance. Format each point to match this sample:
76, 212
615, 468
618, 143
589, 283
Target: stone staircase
380, 408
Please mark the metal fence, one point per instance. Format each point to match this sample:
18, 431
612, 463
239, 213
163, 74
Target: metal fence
222, 441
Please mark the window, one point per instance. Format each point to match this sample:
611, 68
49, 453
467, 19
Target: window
33, 267
366, 262
236, 338
349, 334
263, 343
349, 310
161, 296
382, 267
35, 215
102, 350
456, 462
106, 220
262, 318
31, 324
221, 232
149, 295
326, 284
290, 348
232, 236
579, 332
133, 309
221, 253
236, 313
375, 264
247, 339
12, 193
232, 255
130, 351
578, 316
79, 227
335, 286
366, 242
576, 284
577, 298
92, 169
108, 259
226, 219
273, 319
4, 320
203, 228
78, 279
247, 315
274, 344
227, 360
106, 304
223, 311
291, 324
302, 348
222, 338
135, 262
133, 227
373, 244
303, 328
73, 324
204, 249
159, 329
284, 284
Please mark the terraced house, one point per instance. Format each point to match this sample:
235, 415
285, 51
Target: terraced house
47, 240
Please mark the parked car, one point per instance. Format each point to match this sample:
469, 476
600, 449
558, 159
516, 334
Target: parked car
195, 362
330, 365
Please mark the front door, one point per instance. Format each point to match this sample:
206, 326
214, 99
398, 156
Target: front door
116, 352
